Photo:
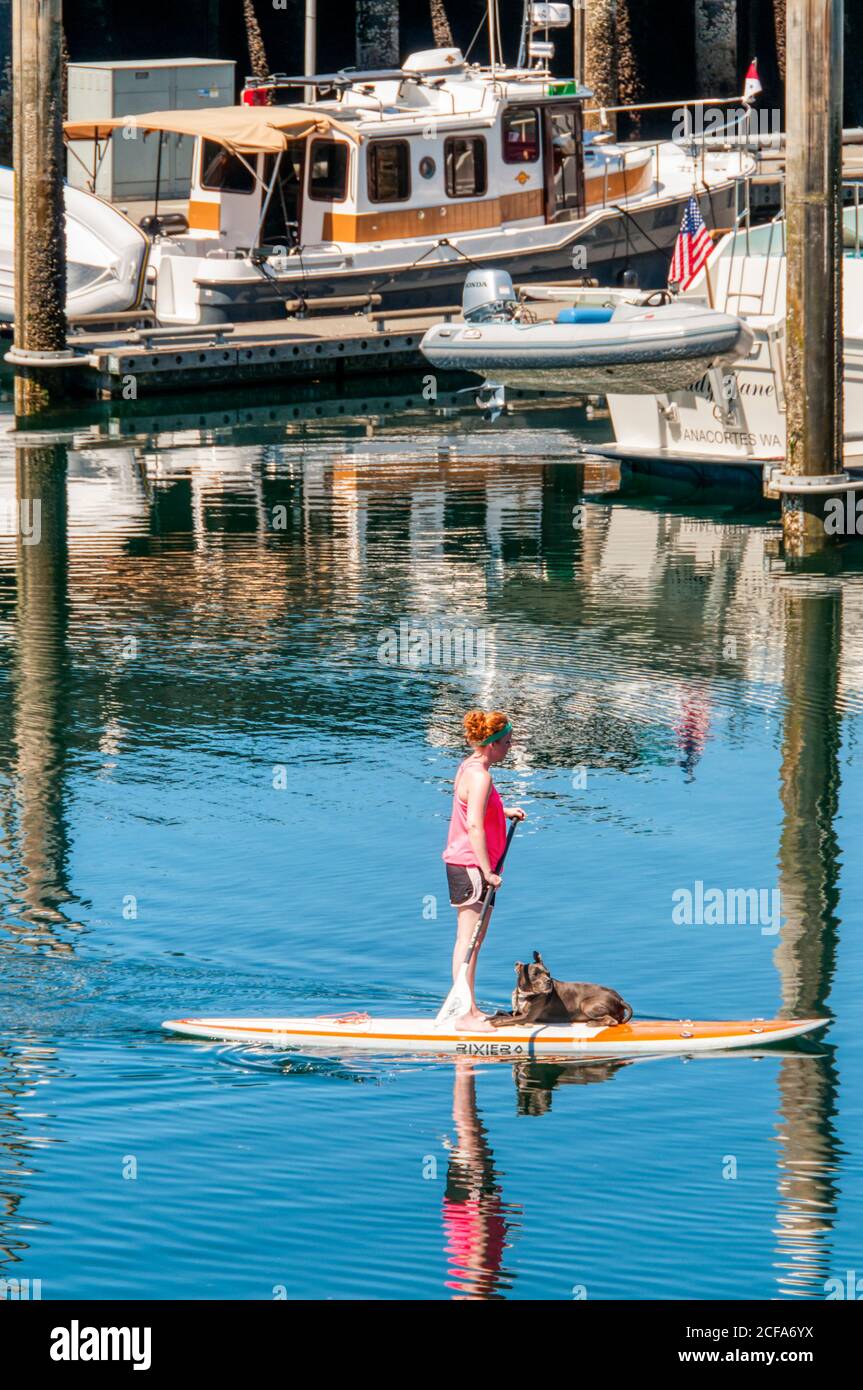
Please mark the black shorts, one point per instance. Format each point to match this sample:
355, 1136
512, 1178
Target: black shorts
466, 884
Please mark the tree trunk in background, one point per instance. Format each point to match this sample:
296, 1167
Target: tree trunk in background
716, 65
64, 78
377, 34
257, 52
629, 86
601, 56
779, 26
6, 114
440, 25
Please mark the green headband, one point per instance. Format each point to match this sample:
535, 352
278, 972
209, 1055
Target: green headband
493, 738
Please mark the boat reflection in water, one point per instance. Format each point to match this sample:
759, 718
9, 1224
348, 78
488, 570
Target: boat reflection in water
617, 623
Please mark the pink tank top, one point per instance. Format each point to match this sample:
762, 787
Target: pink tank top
459, 849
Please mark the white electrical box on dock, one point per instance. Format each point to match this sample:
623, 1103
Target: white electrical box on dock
128, 169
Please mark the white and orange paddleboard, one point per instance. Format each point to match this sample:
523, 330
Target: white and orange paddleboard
360, 1031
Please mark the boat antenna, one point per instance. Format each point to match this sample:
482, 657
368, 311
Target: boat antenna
476, 34
522, 43
492, 34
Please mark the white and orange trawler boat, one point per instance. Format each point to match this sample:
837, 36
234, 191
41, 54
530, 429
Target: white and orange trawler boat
392, 183
362, 1032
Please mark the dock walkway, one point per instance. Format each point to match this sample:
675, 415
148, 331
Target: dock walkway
150, 360
118, 361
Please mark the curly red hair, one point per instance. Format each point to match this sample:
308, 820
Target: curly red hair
481, 724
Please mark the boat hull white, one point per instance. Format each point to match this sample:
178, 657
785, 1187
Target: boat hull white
426, 274
737, 414
730, 417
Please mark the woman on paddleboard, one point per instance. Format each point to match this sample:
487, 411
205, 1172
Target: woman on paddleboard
476, 840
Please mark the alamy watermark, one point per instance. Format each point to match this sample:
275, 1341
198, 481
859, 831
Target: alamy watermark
727, 907
843, 516
718, 122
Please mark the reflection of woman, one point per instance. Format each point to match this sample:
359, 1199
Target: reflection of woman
692, 729
476, 840
474, 1213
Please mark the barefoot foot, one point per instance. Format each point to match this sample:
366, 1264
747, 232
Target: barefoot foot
474, 1022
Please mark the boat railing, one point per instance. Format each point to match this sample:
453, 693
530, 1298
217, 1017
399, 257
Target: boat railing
765, 246
698, 143
754, 281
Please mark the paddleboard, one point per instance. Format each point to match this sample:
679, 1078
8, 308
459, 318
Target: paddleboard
359, 1031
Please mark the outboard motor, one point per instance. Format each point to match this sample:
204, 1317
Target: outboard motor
488, 296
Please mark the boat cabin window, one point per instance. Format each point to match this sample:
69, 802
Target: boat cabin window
520, 126
464, 158
389, 171
223, 171
328, 179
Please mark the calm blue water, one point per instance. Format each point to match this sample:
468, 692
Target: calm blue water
216, 798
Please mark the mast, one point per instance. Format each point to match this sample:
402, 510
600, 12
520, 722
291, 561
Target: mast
491, 6
310, 47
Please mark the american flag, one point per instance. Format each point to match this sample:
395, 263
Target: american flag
692, 247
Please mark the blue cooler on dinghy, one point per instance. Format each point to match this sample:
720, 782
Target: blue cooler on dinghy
585, 313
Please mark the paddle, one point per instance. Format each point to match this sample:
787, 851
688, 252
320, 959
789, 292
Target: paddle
457, 1001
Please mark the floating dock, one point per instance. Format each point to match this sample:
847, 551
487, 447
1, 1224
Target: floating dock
129, 363
114, 361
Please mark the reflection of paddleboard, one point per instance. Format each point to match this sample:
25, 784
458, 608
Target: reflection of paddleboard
383, 1035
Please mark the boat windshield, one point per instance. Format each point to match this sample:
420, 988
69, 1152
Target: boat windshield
281, 222
223, 171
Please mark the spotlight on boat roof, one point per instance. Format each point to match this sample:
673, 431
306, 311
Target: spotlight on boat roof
550, 16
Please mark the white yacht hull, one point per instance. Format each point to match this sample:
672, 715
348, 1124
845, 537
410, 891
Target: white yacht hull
193, 287
736, 415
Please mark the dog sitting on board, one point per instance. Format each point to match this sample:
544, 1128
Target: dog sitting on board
538, 998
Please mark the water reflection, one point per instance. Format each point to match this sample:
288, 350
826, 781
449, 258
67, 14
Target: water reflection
206, 584
809, 862
478, 1223
36, 828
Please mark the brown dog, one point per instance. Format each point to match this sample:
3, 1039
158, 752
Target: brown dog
537, 998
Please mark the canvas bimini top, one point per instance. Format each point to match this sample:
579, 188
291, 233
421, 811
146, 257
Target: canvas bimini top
241, 129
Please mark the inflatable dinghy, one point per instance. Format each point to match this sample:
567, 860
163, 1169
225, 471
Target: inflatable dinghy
626, 349
106, 254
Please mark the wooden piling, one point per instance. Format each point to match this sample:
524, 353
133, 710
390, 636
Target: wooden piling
813, 195
377, 34
39, 692
578, 40
40, 233
716, 65
600, 58
605, 55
